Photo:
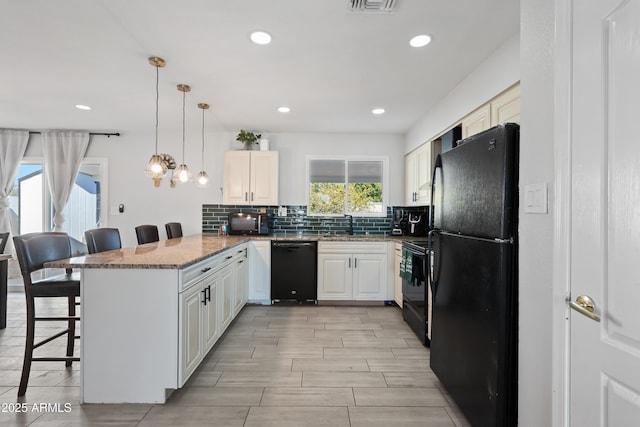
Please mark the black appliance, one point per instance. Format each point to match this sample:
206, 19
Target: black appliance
398, 221
294, 267
474, 275
417, 224
248, 223
415, 291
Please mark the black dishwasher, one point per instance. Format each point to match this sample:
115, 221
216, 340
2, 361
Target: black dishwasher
293, 271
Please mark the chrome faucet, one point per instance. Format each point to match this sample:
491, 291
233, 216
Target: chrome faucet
350, 225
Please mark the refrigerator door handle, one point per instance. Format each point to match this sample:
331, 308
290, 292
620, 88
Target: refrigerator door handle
432, 278
437, 165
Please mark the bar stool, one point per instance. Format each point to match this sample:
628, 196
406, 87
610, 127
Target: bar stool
32, 251
174, 229
4, 237
147, 234
102, 239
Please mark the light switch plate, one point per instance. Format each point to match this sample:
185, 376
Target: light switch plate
535, 198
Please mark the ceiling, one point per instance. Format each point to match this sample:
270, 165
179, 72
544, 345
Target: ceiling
330, 65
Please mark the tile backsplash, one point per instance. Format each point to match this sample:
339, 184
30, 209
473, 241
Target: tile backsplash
297, 220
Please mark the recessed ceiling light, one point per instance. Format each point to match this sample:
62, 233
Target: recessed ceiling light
378, 111
284, 109
82, 107
260, 37
421, 40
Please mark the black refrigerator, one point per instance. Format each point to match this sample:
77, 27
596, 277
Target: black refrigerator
474, 278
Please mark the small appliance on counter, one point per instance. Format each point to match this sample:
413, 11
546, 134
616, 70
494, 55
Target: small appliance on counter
417, 224
410, 221
398, 222
248, 223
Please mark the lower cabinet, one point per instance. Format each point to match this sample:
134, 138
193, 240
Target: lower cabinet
352, 271
212, 295
260, 271
397, 280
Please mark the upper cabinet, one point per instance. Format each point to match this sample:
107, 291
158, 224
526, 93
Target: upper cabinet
250, 178
501, 109
418, 167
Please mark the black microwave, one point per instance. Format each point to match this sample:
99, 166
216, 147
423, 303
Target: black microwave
248, 223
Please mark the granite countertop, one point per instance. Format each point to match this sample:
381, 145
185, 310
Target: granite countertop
165, 254
184, 251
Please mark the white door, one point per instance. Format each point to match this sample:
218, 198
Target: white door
605, 219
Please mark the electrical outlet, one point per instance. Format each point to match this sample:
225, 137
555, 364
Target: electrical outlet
282, 211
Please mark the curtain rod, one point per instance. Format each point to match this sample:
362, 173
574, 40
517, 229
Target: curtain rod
108, 135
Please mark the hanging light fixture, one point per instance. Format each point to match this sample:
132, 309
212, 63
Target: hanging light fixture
156, 168
183, 174
202, 179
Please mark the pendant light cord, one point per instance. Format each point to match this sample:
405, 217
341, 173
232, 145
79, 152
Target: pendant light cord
183, 98
203, 139
157, 97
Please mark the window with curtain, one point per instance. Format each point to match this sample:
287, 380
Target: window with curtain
347, 186
32, 209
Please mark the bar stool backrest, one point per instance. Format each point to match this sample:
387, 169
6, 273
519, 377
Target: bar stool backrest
35, 249
147, 234
4, 237
174, 229
102, 239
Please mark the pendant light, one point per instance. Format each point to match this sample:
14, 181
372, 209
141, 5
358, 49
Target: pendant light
183, 174
202, 179
156, 168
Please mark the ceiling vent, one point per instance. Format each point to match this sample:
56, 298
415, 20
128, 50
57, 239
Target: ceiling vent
372, 5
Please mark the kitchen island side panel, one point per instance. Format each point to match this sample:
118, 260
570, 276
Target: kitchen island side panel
129, 329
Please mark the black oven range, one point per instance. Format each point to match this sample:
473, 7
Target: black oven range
415, 292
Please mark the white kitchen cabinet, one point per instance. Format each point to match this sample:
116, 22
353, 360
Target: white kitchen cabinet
335, 276
260, 271
213, 293
506, 107
198, 315
191, 331
240, 270
501, 109
352, 271
250, 178
418, 169
397, 280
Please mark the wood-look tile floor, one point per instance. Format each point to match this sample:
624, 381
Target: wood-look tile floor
281, 366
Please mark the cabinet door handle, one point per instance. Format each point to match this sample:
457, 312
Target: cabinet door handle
246, 196
349, 262
355, 263
252, 196
209, 293
204, 296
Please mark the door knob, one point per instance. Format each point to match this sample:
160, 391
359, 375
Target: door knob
585, 305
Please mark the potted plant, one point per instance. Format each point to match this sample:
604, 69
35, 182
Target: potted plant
248, 139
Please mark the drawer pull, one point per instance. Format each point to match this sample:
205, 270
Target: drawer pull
229, 257
204, 270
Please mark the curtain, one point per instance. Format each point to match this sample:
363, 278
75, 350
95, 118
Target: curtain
13, 144
63, 152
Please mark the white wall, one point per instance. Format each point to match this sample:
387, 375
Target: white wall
536, 391
145, 204
495, 74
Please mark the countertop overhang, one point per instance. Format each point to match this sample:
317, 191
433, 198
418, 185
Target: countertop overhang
184, 251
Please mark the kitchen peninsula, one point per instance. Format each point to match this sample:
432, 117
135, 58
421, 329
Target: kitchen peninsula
151, 313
